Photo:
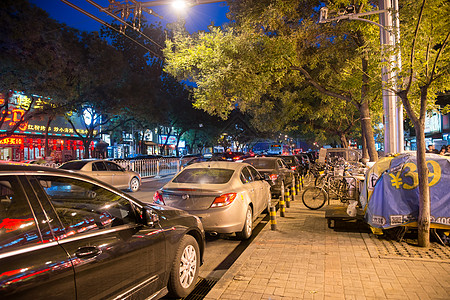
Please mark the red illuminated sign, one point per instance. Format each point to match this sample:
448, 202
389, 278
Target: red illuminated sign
15, 115
12, 141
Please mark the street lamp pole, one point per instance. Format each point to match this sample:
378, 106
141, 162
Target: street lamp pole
393, 110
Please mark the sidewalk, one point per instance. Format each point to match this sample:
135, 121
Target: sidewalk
304, 259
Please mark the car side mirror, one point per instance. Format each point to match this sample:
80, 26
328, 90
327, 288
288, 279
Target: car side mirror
150, 217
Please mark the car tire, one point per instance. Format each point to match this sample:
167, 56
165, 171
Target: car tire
247, 230
185, 267
134, 184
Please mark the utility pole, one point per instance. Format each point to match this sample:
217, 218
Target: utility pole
393, 110
389, 36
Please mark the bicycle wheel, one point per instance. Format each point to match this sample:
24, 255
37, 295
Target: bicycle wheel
308, 178
344, 191
314, 197
320, 180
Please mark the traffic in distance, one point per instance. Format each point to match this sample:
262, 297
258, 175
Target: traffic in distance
73, 231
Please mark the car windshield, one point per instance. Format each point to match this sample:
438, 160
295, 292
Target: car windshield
262, 163
73, 165
204, 176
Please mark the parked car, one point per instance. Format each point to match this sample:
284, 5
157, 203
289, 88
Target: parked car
294, 164
106, 171
65, 235
232, 156
305, 161
279, 175
202, 159
226, 196
186, 158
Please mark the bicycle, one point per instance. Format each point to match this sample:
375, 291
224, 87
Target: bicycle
312, 174
338, 186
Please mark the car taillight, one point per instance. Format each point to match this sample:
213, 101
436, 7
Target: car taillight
236, 157
224, 200
158, 198
273, 177
293, 168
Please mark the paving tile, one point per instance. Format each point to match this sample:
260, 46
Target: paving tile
304, 259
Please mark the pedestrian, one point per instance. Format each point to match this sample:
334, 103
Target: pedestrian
443, 150
431, 149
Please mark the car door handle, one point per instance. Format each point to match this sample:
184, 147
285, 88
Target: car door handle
87, 252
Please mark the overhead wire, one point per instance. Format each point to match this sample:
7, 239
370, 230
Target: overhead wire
112, 27
123, 22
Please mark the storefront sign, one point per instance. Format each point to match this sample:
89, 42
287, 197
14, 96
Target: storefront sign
172, 140
59, 126
433, 122
11, 141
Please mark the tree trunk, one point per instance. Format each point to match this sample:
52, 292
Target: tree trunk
86, 143
365, 152
366, 124
423, 223
366, 127
47, 150
424, 189
343, 138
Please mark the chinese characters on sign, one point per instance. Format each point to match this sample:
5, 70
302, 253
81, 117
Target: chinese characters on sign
12, 141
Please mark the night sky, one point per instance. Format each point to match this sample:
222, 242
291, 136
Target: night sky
197, 17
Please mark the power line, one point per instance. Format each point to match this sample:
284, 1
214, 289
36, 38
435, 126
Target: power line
111, 27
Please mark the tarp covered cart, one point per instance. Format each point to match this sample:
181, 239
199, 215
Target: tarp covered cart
390, 194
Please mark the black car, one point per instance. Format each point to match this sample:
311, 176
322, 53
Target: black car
277, 173
65, 235
295, 165
305, 161
232, 156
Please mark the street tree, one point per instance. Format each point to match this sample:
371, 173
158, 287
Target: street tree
276, 44
40, 56
424, 46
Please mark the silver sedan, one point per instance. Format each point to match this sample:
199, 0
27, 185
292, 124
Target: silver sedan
105, 171
227, 196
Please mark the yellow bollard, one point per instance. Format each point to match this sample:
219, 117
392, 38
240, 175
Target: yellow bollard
287, 197
282, 207
273, 218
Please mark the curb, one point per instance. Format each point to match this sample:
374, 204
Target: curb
221, 285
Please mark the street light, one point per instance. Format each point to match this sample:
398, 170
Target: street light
393, 113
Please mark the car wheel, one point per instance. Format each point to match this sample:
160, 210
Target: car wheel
134, 184
248, 225
184, 271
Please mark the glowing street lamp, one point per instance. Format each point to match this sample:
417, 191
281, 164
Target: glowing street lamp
179, 5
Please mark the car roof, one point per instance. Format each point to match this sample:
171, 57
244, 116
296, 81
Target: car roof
87, 160
20, 168
263, 157
216, 164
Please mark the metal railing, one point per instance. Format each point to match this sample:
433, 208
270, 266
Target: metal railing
145, 167
151, 167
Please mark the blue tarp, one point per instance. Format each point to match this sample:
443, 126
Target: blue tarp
390, 195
